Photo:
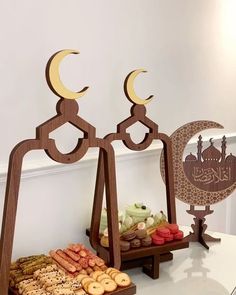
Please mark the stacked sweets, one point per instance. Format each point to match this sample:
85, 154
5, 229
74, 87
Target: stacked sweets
23, 268
72, 271
140, 228
167, 233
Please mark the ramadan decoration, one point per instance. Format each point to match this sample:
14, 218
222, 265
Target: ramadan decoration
201, 179
138, 247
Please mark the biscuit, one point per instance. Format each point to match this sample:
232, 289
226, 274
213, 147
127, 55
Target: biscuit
141, 233
95, 288
124, 245
146, 241
80, 277
102, 276
114, 273
95, 274
122, 280
129, 235
109, 285
86, 280
109, 269
135, 243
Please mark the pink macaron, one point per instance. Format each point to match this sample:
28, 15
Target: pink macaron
163, 232
179, 235
157, 240
170, 238
174, 228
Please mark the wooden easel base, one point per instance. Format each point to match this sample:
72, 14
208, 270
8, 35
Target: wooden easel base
131, 290
202, 239
200, 236
199, 228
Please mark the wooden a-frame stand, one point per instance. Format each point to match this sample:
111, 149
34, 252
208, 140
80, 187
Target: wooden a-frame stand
67, 110
149, 257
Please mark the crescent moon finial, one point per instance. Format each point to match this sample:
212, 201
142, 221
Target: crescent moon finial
53, 76
129, 88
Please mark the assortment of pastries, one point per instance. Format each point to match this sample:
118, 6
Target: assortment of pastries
72, 271
140, 228
76, 270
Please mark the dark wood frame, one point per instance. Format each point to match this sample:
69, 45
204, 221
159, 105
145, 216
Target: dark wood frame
66, 112
157, 254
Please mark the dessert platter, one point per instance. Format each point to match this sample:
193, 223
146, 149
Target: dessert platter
71, 271
135, 253
145, 239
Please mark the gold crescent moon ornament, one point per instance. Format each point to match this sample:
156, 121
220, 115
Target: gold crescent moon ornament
129, 88
53, 76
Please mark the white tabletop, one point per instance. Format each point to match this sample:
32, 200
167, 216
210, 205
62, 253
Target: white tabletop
194, 271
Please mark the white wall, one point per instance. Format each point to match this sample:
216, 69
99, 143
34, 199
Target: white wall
188, 48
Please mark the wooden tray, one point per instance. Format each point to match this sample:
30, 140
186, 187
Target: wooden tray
147, 257
131, 290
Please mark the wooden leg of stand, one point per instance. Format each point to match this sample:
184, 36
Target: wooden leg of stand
153, 270
210, 238
202, 228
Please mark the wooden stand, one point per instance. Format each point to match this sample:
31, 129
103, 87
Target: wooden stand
149, 258
136, 257
67, 110
199, 227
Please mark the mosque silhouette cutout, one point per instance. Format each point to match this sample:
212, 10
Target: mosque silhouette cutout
211, 169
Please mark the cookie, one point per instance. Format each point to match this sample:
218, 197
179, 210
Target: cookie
109, 285
135, 243
95, 288
95, 274
129, 235
141, 233
80, 277
99, 261
89, 270
104, 242
141, 225
103, 267
102, 276
114, 273
146, 241
86, 280
109, 270
62, 291
124, 245
80, 292
122, 280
